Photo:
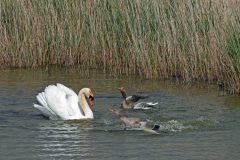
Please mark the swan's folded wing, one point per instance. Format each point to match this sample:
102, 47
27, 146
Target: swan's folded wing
42, 100
67, 90
57, 101
71, 98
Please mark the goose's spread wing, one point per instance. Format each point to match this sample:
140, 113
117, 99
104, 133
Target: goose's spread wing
149, 126
144, 105
131, 121
134, 98
60, 101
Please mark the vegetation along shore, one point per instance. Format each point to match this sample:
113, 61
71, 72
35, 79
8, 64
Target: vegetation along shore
185, 39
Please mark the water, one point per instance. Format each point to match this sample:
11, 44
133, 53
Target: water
195, 122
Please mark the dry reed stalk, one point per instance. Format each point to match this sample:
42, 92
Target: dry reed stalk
188, 40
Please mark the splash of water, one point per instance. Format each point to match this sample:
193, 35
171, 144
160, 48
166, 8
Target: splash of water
172, 126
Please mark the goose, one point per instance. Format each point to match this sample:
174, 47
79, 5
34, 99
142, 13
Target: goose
60, 102
145, 125
131, 102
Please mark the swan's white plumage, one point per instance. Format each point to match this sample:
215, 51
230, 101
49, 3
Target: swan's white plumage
66, 90
46, 111
59, 101
56, 100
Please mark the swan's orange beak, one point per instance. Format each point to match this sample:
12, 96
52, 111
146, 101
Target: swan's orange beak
91, 99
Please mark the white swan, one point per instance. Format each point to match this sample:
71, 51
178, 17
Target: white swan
61, 102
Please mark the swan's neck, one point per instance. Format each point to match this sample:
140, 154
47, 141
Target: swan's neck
85, 107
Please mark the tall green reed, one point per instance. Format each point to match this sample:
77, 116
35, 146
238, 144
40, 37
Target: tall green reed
185, 39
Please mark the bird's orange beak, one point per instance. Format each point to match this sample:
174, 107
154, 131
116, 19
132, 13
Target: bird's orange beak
111, 110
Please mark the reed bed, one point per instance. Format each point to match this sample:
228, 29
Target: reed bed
184, 39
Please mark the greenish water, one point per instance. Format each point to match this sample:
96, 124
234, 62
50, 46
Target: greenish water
195, 122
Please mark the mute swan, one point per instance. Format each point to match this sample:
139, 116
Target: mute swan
60, 102
145, 125
130, 102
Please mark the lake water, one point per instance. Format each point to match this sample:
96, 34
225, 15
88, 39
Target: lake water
195, 122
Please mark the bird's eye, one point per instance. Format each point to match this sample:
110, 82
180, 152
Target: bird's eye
91, 97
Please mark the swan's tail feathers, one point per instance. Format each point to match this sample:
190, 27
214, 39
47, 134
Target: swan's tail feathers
44, 111
41, 98
152, 104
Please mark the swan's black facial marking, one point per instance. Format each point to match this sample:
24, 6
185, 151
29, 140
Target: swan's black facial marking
91, 98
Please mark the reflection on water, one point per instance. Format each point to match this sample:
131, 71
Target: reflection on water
61, 139
195, 122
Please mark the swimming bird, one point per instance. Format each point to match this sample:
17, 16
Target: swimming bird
61, 102
145, 125
131, 102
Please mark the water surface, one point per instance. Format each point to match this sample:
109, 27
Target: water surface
195, 122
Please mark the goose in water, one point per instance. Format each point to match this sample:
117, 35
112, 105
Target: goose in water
61, 102
145, 125
131, 102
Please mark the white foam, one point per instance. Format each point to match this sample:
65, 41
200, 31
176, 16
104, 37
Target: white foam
172, 126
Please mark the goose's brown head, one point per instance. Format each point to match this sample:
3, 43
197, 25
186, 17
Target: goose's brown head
121, 89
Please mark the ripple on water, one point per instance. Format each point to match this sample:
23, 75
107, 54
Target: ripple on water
60, 140
194, 114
